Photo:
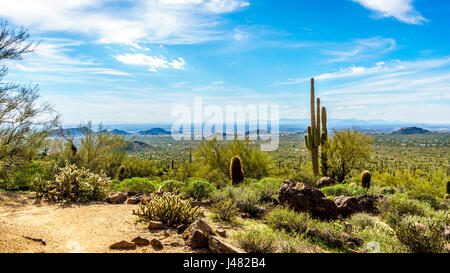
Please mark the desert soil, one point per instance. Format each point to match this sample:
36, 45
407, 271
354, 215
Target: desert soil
74, 227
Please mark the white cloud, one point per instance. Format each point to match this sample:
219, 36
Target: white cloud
402, 10
152, 62
163, 21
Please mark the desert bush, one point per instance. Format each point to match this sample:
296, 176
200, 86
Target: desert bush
25, 175
138, 185
248, 200
217, 178
347, 150
198, 189
225, 210
172, 186
421, 234
268, 188
380, 238
289, 220
399, 205
307, 178
73, 184
344, 189
168, 209
139, 167
259, 240
362, 220
223, 194
330, 234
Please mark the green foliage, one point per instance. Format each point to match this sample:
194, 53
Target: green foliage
286, 219
137, 184
73, 184
214, 155
362, 221
399, 205
140, 167
25, 175
172, 186
421, 234
225, 210
171, 210
198, 189
267, 188
347, 150
248, 200
343, 189
259, 240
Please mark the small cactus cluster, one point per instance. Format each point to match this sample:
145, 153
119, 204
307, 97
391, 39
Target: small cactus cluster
236, 170
317, 136
365, 179
171, 210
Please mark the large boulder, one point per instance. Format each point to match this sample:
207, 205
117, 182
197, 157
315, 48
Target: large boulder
302, 198
325, 182
348, 205
116, 198
123, 245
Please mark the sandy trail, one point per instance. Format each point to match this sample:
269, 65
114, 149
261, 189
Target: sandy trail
73, 227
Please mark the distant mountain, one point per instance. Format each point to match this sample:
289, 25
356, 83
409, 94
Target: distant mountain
410, 131
72, 131
118, 132
137, 146
154, 132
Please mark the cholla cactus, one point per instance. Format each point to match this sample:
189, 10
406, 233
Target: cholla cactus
236, 170
171, 210
365, 179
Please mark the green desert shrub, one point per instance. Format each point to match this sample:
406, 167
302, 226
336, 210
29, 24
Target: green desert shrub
138, 185
380, 238
344, 189
248, 200
73, 184
225, 210
268, 188
330, 234
399, 205
229, 192
171, 210
259, 240
362, 220
289, 220
421, 234
198, 189
172, 186
25, 175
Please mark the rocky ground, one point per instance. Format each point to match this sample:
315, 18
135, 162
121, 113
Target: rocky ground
31, 225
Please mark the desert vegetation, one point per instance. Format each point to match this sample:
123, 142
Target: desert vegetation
379, 193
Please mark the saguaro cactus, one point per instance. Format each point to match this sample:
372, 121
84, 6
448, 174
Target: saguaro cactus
236, 171
323, 140
312, 138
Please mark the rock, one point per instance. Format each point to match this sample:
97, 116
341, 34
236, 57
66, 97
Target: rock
216, 245
197, 235
139, 241
222, 232
133, 201
302, 198
348, 205
130, 193
116, 198
175, 244
156, 243
123, 245
325, 182
156, 225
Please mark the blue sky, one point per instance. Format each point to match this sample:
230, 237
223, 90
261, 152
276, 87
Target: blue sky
133, 60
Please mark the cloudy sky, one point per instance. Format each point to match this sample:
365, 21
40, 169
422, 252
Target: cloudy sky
133, 60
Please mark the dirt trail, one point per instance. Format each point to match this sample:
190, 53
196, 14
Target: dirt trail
73, 227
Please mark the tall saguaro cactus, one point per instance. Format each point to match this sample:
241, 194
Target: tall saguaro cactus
312, 138
323, 140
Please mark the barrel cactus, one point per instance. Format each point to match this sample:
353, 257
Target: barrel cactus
447, 196
365, 179
236, 170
